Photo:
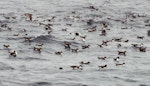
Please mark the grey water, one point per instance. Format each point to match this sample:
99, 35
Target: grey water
56, 22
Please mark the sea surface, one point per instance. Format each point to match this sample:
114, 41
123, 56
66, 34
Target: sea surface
42, 40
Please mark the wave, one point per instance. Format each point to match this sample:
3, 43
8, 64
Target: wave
4, 66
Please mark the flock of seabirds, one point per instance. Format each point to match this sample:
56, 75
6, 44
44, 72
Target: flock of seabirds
68, 45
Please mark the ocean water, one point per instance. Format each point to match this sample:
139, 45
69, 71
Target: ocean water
39, 29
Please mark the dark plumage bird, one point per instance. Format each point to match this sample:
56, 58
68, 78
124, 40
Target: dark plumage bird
84, 62
6, 46
148, 33
118, 64
116, 59
103, 66
102, 58
90, 22
13, 53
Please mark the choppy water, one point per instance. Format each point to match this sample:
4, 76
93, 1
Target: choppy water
34, 68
